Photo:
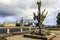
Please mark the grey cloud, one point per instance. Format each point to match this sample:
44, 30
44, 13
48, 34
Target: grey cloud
2, 13
5, 11
50, 3
10, 11
16, 9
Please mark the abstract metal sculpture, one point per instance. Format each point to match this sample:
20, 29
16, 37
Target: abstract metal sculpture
40, 17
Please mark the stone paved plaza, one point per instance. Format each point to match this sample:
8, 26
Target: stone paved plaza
20, 37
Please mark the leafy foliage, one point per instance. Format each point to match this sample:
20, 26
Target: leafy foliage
58, 18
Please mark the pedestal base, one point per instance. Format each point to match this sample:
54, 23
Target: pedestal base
35, 36
46, 37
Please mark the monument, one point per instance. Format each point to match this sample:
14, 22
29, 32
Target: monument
40, 18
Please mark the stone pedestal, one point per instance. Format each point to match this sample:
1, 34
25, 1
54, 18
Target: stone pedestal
43, 37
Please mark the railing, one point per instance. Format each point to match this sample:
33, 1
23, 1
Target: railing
11, 30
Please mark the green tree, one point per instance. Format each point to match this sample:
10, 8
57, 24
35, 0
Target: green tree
40, 17
58, 18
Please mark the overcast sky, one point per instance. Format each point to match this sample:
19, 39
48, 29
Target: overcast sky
11, 10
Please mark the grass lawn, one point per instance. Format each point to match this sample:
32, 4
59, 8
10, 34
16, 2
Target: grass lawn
54, 29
